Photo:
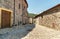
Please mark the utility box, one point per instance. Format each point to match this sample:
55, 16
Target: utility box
6, 18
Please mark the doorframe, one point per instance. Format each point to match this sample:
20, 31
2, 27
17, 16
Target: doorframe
11, 23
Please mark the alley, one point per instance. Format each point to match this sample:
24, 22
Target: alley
41, 32
16, 32
29, 31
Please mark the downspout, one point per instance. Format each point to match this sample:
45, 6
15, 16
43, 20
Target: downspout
14, 14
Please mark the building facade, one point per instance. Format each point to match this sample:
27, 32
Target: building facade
19, 8
25, 12
50, 17
31, 20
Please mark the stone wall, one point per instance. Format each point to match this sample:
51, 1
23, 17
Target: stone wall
25, 13
50, 18
9, 5
18, 11
19, 8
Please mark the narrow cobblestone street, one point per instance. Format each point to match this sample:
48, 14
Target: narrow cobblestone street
16, 32
29, 31
41, 32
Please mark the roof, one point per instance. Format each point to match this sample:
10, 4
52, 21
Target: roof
26, 3
47, 10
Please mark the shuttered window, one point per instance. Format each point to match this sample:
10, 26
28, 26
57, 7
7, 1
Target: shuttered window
19, 6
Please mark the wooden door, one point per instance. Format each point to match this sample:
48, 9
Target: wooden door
5, 19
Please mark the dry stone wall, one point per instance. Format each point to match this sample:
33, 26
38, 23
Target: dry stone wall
50, 18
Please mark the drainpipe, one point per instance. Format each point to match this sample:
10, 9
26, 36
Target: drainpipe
22, 11
14, 14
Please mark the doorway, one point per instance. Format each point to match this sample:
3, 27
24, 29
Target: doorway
5, 19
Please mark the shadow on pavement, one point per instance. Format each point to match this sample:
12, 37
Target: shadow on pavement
29, 28
16, 32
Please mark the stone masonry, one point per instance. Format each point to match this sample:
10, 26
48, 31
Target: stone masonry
50, 18
17, 11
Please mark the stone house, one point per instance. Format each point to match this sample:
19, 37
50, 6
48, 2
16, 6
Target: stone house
25, 12
18, 8
50, 17
30, 20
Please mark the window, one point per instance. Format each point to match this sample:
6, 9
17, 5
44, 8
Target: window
19, 6
23, 7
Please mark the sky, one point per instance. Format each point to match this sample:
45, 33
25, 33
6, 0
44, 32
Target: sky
38, 6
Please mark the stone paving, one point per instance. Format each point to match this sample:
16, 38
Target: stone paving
16, 32
41, 32
29, 31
